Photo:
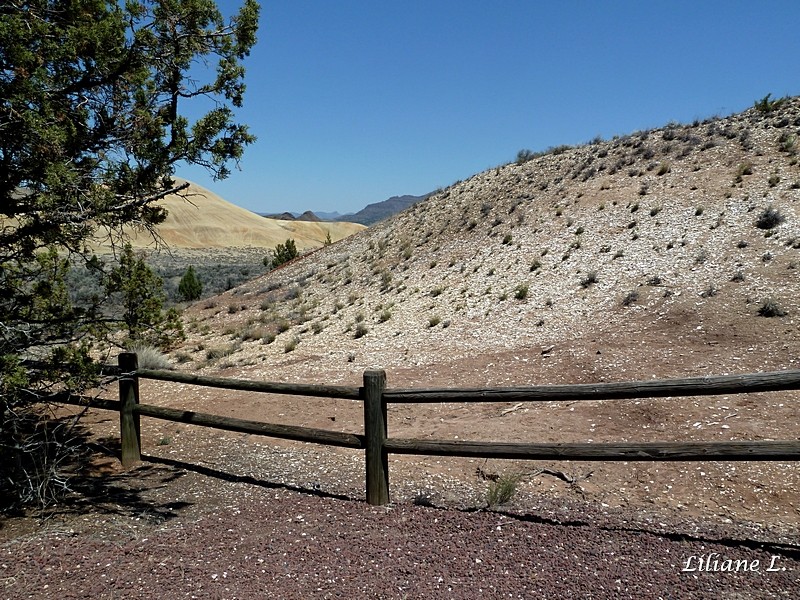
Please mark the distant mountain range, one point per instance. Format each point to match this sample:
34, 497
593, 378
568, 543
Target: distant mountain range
369, 215
372, 213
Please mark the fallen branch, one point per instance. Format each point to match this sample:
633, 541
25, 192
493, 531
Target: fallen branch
563, 476
512, 409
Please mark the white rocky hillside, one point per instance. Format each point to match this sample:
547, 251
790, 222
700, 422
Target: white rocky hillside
639, 248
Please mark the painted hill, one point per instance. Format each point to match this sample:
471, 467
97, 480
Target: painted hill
199, 218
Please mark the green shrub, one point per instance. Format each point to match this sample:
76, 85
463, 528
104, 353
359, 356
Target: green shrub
190, 288
502, 490
521, 291
220, 352
361, 330
524, 156
283, 253
765, 105
770, 308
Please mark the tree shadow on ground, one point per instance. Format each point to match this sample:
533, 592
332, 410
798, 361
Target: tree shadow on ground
233, 478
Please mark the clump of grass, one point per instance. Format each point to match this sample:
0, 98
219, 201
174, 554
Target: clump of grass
434, 321
630, 298
291, 344
701, 257
521, 291
769, 218
589, 280
773, 180
770, 308
149, 356
361, 330
654, 281
744, 169
385, 316
709, 292
219, 352
502, 490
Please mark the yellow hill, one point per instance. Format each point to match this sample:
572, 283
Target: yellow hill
200, 219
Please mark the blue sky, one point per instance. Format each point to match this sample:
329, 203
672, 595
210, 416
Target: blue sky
357, 101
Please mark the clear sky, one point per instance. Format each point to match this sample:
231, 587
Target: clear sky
356, 101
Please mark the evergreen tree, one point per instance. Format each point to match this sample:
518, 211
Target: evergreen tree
99, 101
283, 253
190, 286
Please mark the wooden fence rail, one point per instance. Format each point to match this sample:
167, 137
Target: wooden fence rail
377, 445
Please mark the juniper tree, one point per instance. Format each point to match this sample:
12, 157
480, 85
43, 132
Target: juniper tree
100, 100
284, 252
190, 287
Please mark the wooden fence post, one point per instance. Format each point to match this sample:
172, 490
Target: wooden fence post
128, 420
375, 432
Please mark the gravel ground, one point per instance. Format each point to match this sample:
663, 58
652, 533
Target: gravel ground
272, 542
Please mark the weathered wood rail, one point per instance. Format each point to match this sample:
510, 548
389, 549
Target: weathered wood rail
376, 398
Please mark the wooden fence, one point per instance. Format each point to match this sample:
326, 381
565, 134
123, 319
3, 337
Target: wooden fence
376, 397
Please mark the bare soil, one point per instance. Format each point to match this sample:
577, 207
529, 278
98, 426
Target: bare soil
216, 515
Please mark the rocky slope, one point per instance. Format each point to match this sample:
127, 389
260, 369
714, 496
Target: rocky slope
674, 233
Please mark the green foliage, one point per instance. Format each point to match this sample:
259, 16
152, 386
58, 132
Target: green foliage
765, 105
524, 156
190, 287
283, 253
502, 490
142, 298
100, 101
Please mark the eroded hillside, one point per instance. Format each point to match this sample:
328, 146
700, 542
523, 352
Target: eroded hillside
665, 253
650, 242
